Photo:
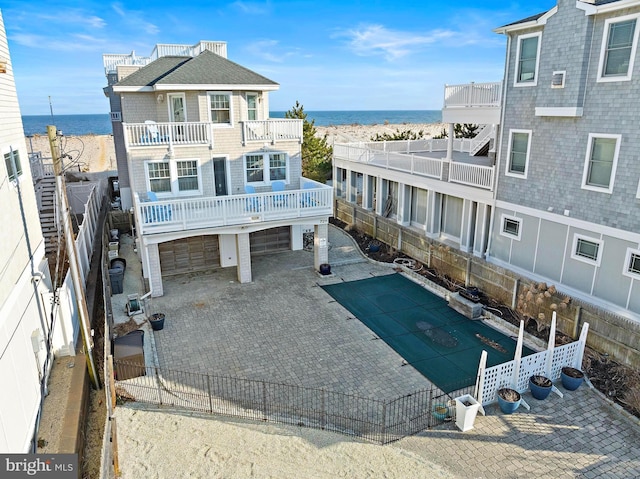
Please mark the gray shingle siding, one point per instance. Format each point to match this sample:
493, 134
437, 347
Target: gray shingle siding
572, 41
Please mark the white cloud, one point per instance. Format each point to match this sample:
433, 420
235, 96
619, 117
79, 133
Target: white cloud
269, 50
252, 8
372, 40
135, 19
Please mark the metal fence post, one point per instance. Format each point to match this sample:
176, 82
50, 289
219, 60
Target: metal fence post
323, 412
264, 400
209, 391
159, 385
383, 431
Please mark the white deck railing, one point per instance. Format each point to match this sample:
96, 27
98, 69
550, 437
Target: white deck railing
469, 174
272, 130
154, 134
213, 211
473, 95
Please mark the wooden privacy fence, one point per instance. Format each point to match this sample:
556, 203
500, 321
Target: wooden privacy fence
375, 420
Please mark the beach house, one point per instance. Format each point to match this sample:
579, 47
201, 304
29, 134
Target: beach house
210, 179
25, 283
567, 206
557, 197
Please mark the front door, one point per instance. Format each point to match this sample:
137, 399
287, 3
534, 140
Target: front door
220, 176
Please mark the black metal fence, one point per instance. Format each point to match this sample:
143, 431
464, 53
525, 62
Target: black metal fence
376, 420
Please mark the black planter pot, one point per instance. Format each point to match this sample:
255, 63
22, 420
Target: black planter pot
325, 269
157, 321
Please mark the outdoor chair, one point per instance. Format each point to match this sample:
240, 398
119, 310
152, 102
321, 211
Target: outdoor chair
278, 200
153, 133
156, 213
308, 198
253, 204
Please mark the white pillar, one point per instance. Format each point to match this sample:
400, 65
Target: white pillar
450, 139
244, 257
404, 204
320, 245
155, 271
482, 227
468, 223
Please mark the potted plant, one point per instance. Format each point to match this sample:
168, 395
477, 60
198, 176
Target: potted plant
325, 269
508, 400
540, 386
571, 378
374, 246
157, 321
440, 411
466, 411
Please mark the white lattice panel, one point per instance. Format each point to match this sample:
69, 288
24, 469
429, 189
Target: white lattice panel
495, 378
564, 356
530, 366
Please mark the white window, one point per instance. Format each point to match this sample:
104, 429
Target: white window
252, 106
11, 173
266, 167
586, 249
618, 48
511, 227
518, 154
159, 176
527, 59
174, 178
220, 108
632, 264
601, 162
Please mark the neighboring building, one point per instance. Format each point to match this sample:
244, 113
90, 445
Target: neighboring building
561, 201
25, 357
210, 178
568, 198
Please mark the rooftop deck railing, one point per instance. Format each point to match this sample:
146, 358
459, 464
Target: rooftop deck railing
473, 95
315, 199
401, 156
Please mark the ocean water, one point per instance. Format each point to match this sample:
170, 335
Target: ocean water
100, 124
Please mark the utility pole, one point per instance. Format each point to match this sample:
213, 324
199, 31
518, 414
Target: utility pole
81, 300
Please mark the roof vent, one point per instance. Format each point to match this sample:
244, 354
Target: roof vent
557, 80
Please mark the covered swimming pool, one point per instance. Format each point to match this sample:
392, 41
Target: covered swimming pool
439, 342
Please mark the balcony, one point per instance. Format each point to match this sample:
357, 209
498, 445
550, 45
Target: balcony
472, 103
151, 133
315, 199
272, 130
415, 158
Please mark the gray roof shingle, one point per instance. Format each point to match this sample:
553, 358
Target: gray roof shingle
204, 69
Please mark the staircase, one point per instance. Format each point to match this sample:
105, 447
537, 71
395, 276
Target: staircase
46, 194
481, 142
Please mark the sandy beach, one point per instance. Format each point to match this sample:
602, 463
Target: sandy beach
96, 153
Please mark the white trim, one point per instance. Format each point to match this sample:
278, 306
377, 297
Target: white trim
569, 221
567, 111
516, 82
188, 87
627, 260
246, 106
216, 124
603, 46
507, 171
590, 9
266, 167
515, 219
170, 106
173, 178
589, 239
524, 25
638, 192
614, 165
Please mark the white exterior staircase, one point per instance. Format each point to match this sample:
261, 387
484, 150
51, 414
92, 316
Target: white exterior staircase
482, 140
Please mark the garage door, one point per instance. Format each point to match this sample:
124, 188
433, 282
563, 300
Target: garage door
273, 239
190, 254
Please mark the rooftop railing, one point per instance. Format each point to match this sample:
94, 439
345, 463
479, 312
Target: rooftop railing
473, 95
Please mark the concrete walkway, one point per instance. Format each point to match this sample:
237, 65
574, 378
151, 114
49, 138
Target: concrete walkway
282, 327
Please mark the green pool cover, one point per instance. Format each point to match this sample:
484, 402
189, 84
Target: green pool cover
439, 342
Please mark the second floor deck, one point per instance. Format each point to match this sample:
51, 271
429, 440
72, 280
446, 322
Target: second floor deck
472, 103
314, 199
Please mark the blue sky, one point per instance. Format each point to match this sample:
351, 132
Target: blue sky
329, 55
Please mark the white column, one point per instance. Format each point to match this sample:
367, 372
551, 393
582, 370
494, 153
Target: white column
155, 271
366, 191
482, 227
404, 204
244, 257
434, 213
320, 245
450, 142
468, 220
